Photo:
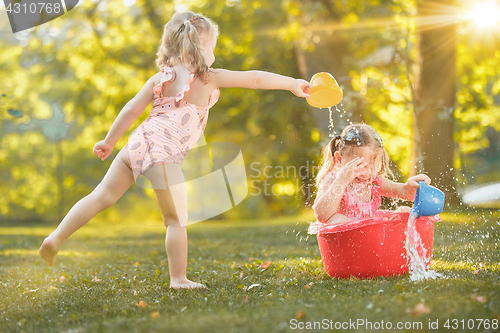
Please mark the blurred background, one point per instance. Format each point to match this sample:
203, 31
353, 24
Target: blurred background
424, 74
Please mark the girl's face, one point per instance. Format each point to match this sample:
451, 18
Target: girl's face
208, 42
372, 156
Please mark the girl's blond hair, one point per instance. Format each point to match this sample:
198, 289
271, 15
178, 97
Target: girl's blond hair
181, 42
355, 135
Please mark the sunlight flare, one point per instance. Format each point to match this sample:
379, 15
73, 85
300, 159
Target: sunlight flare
486, 14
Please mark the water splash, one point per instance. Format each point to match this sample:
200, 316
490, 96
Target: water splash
339, 119
330, 125
356, 193
416, 253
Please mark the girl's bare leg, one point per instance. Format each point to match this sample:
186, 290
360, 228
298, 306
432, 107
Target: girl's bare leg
114, 184
170, 189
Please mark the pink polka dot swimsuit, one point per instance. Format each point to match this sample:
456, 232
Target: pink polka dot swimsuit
170, 131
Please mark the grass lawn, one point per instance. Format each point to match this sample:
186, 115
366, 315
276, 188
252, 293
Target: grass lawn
104, 271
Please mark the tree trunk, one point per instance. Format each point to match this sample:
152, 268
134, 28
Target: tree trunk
435, 91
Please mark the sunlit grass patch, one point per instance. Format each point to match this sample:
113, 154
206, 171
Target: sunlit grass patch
474, 268
470, 216
35, 230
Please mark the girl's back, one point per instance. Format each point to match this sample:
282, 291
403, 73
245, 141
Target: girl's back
199, 92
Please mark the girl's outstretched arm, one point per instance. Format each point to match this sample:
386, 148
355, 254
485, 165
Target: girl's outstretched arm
130, 112
223, 78
402, 191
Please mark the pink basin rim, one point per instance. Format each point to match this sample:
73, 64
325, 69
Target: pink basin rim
380, 217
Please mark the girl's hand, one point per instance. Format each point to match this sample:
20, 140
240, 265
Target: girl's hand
102, 149
403, 209
338, 218
301, 88
413, 181
351, 169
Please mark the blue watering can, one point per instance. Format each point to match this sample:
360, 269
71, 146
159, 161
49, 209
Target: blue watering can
429, 201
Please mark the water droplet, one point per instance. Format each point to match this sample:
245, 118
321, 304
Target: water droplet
330, 125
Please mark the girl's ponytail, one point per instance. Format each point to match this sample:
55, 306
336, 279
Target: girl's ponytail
335, 144
190, 51
181, 42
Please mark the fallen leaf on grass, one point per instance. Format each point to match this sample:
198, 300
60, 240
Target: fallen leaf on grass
480, 299
142, 304
300, 315
155, 314
245, 299
419, 310
265, 265
137, 263
307, 286
96, 279
75, 330
31, 291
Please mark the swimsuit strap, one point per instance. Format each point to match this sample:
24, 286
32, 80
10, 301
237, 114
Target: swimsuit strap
187, 86
214, 97
168, 75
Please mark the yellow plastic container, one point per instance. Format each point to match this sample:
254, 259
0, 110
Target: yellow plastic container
325, 91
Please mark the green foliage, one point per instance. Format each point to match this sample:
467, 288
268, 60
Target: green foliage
90, 62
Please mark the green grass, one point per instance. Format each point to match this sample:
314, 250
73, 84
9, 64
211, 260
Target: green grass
130, 261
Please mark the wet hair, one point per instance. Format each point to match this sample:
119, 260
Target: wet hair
353, 136
181, 42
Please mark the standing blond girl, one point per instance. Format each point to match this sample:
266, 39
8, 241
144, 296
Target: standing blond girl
353, 177
182, 93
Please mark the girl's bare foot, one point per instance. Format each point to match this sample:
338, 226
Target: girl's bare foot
49, 250
186, 284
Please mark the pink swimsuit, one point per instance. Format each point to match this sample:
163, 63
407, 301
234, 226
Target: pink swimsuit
172, 128
352, 208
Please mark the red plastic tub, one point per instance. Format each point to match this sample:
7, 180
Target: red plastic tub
370, 247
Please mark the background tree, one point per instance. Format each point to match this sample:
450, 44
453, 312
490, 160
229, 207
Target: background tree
435, 96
